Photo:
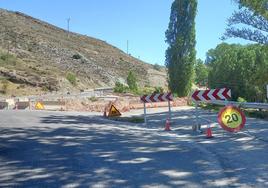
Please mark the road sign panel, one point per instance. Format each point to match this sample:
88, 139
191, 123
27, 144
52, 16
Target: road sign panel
231, 119
157, 97
113, 112
39, 106
211, 94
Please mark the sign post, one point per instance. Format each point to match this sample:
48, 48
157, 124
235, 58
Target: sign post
145, 118
169, 111
157, 97
267, 90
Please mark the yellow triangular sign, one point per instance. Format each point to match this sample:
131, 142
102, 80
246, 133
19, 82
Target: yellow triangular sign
39, 106
113, 112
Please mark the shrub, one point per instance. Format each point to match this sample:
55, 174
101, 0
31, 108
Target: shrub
120, 88
77, 56
71, 78
10, 59
158, 90
240, 99
157, 67
5, 86
93, 99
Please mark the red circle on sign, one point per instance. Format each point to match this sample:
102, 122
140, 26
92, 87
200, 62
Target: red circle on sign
224, 126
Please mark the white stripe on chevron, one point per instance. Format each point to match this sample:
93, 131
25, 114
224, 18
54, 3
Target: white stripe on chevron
229, 93
220, 94
210, 94
164, 97
200, 95
148, 98
156, 97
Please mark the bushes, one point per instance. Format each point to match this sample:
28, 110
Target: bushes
77, 56
120, 88
5, 85
157, 67
71, 78
8, 59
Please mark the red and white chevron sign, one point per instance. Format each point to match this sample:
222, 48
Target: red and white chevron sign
157, 97
211, 94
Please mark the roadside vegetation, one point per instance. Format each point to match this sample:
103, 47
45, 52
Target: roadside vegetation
132, 87
71, 78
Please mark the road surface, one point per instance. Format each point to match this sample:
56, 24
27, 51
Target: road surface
71, 149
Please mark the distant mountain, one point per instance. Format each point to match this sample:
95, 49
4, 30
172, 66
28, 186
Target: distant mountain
45, 57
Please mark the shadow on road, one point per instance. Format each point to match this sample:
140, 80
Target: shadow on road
81, 151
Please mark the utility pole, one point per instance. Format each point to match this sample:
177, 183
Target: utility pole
127, 47
68, 25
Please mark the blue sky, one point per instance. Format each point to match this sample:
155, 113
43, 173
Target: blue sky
141, 22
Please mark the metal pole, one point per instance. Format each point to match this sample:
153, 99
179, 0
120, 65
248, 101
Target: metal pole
196, 127
145, 118
169, 111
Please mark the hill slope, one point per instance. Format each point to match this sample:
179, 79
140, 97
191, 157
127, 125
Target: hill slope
37, 54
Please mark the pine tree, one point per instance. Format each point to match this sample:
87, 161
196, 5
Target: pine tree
253, 17
181, 54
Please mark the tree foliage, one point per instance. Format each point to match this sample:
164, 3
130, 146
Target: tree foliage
132, 81
259, 7
180, 55
253, 17
201, 73
243, 69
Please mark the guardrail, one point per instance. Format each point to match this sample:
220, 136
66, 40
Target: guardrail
241, 104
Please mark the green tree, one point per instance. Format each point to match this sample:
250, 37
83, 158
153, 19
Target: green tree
243, 69
181, 54
132, 81
201, 73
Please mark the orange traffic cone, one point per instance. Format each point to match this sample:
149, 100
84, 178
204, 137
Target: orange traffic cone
167, 126
209, 133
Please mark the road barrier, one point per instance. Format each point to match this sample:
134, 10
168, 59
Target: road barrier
54, 105
22, 105
241, 104
3, 105
157, 97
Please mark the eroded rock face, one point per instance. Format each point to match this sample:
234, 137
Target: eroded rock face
22, 77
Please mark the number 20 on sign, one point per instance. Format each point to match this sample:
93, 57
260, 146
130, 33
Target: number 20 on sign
231, 119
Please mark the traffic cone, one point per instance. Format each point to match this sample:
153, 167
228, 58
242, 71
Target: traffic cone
209, 133
167, 126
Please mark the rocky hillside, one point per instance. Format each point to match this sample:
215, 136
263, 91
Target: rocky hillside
35, 54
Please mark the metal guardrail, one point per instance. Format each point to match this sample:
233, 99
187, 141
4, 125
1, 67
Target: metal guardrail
241, 104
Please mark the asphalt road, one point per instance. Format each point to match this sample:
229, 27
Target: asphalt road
71, 149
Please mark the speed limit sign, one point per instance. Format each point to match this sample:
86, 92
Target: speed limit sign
231, 118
